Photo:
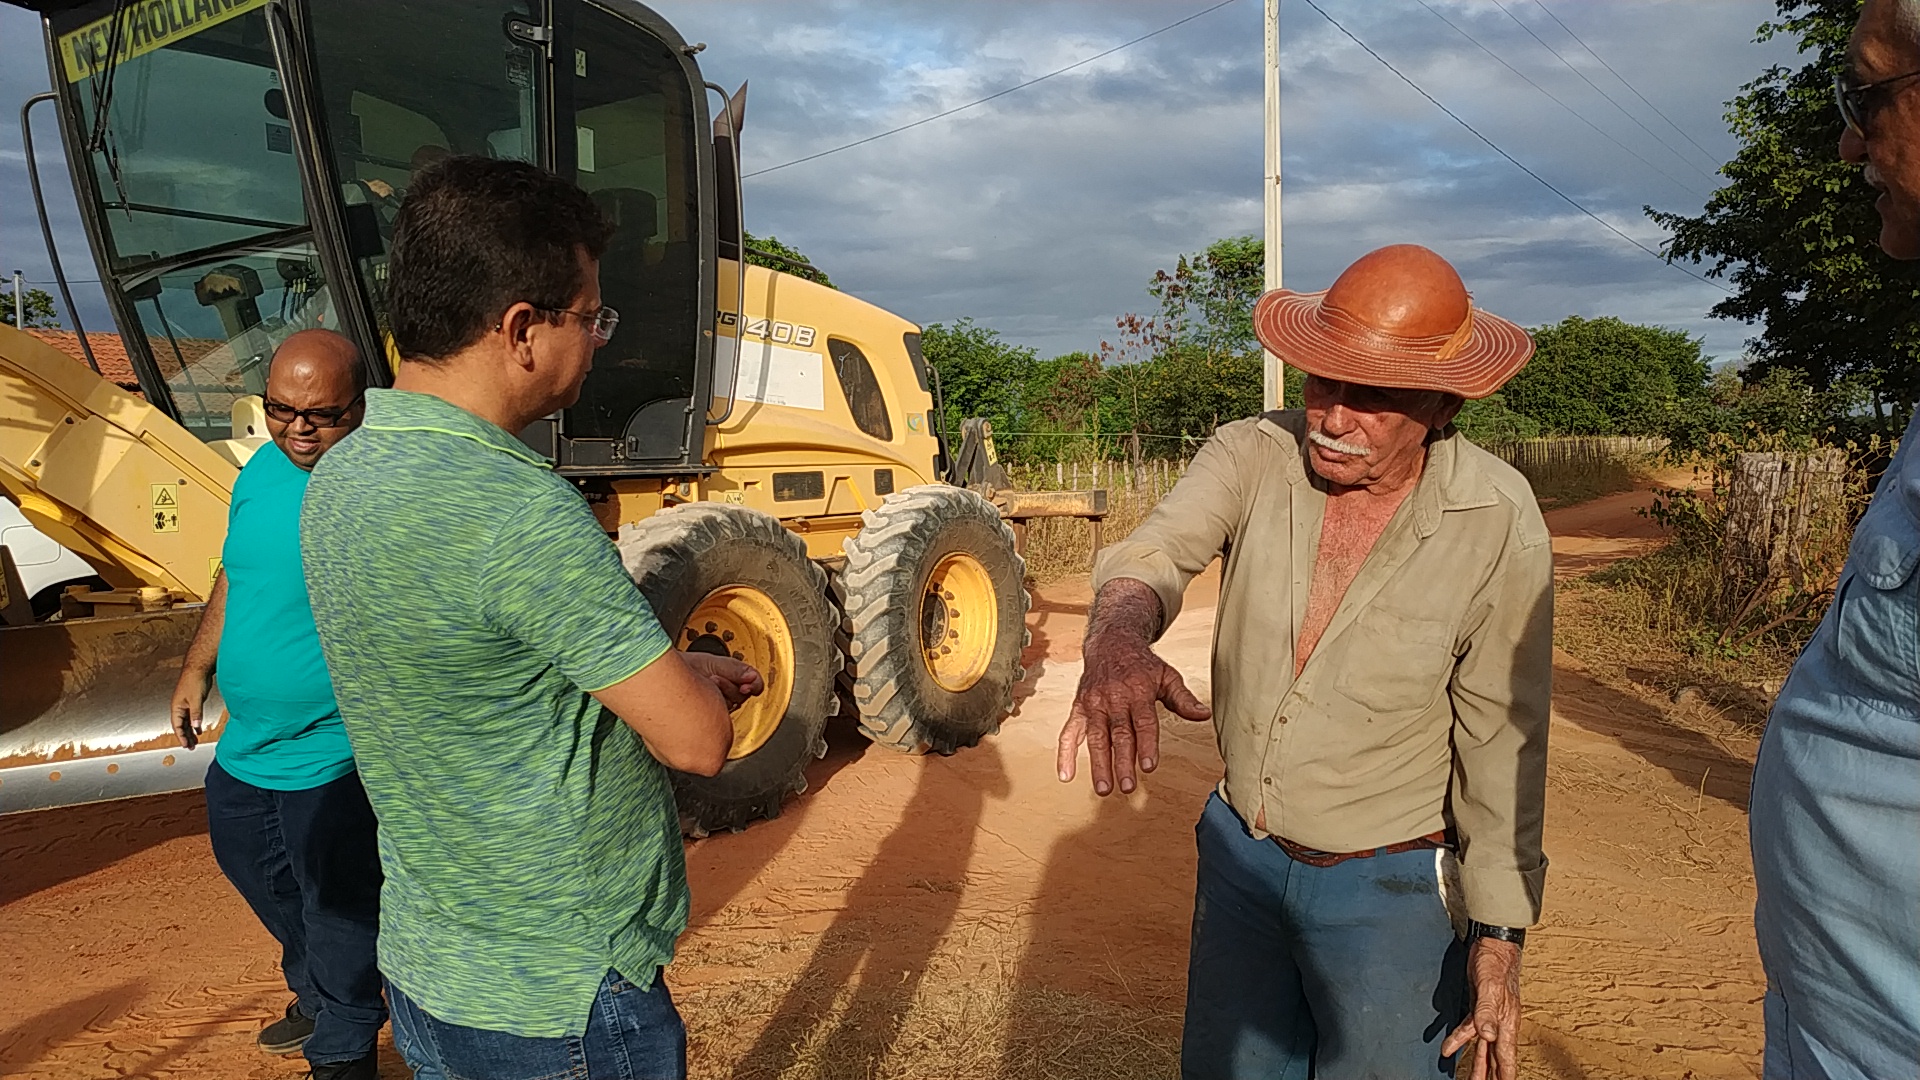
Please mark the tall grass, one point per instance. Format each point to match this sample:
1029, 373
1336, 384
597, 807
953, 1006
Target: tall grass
1704, 588
1062, 547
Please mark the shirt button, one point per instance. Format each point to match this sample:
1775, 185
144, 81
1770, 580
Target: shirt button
1282, 720
1267, 780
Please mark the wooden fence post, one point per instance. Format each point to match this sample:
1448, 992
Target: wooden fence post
1776, 502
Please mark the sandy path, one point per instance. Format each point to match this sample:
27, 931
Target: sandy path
959, 916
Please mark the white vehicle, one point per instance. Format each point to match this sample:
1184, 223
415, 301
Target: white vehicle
46, 568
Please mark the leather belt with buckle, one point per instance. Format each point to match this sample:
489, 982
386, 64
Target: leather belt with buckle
1334, 858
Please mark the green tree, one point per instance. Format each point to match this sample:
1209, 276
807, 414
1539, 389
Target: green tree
1063, 394
789, 256
1794, 230
1491, 420
39, 310
980, 375
1608, 377
1206, 302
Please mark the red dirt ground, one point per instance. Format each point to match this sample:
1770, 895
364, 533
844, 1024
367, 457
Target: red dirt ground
902, 881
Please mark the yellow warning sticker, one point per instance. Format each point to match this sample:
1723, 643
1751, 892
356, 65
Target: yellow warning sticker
145, 25
213, 572
166, 507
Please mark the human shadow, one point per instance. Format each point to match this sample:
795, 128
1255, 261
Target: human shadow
1056, 620
1690, 757
26, 1042
44, 848
1100, 985
719, 866
876, 953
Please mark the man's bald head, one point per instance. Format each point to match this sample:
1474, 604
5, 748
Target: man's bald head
314, 389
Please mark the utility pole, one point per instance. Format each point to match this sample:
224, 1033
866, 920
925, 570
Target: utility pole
19, 302
1274, 380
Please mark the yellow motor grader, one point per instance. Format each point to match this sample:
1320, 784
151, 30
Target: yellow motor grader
767, 450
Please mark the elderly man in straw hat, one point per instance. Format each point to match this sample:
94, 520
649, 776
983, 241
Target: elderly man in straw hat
1381, 676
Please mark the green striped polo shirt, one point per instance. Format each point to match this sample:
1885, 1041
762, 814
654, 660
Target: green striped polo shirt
467, 602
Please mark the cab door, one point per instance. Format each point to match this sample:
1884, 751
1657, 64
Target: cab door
400, 84
630, 112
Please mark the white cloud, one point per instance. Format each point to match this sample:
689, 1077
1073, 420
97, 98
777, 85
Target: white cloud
1044, 212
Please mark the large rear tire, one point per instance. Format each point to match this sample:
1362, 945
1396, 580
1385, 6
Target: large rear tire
728, 579
935, 606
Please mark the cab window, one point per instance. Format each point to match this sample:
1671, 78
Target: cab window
404, 85
857, 381
633, 135
196, 193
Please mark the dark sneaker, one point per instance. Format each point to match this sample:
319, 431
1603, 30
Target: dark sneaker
287, 1034
366, 1068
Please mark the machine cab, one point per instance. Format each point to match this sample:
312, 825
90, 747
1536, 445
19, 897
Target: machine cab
239, 165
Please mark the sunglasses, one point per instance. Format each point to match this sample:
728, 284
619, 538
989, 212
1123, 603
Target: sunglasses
600, 323
320, 418
1859, 101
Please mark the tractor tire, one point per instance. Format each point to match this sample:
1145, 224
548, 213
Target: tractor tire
728, 579
935, 605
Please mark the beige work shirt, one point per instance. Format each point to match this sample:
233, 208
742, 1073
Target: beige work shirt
1424, 705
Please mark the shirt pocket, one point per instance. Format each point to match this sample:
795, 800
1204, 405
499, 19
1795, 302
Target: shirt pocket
1393, 662
1876, 612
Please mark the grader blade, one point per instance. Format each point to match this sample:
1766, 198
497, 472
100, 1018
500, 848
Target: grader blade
84, 710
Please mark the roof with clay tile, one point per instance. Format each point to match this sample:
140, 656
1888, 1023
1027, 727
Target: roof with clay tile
108, 349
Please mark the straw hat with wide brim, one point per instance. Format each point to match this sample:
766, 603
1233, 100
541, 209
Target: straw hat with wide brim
1399, 318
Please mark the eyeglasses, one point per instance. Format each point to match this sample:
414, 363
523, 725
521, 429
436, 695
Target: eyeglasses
320, 418
1859, 101
599, 323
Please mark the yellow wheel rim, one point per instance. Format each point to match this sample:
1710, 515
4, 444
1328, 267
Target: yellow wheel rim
959, 622
746, 624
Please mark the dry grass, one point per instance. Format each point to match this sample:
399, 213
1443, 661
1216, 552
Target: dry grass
1059, 548
1605, 626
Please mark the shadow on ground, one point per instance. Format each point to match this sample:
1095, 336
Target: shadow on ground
45, 848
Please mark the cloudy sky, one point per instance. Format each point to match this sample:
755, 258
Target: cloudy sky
1044, 213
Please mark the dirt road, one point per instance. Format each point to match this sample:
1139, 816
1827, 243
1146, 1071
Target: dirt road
961, 917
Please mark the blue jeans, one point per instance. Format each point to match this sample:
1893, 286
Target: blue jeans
632, 1034
1339, 973
308, 863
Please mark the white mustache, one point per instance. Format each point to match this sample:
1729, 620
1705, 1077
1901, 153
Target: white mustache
1337, 446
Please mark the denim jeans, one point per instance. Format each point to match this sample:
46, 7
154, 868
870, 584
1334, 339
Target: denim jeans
308, 863
632, 1034
1339, 973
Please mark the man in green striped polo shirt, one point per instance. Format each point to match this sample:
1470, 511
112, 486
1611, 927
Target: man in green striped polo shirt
486, 645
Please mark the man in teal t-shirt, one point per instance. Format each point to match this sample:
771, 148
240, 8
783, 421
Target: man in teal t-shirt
290, 824
511, 697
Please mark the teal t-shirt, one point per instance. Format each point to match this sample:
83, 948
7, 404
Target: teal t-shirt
468, 601
284, 730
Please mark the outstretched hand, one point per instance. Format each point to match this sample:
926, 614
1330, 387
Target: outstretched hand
1113, 713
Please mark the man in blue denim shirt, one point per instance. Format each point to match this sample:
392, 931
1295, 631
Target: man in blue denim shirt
1836, 792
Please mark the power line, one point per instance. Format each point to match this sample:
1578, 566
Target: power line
1568, 199
992, 96
1596, 89
1628, 85
1576, 113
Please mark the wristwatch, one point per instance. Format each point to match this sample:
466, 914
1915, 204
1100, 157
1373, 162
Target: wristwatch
1499, 933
